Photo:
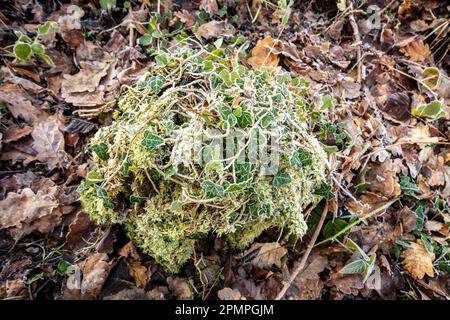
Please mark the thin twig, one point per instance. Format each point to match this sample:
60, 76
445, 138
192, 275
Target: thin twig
302, 263
357, 42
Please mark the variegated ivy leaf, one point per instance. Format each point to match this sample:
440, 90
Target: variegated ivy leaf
93, 177
103, 194
301, 158
280, 179
101, 150
432, 110
212, 189
151, 141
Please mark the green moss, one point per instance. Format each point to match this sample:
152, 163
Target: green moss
164, 176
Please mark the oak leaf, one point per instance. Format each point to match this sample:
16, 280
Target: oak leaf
262, 55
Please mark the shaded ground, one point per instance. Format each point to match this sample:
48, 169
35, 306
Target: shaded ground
374, 72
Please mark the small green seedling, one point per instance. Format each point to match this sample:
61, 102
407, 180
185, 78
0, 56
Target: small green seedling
26, 48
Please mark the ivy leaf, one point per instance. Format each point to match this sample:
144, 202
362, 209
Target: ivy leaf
325, 191
224, 111
244, 171
432, 110
101, 150
93, 177
407, 186
156, 83
233, 187
162, 59
169, 171
151, 140
301, 158
103, 194
43, 28
267, 120
245, 120
212, 189
22, 50
333, 227
280, 179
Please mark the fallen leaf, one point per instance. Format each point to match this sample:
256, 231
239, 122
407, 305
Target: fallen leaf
366, 203
417, 51
229, 294
139, 273
209, 6
185, 17
418, 261
267, 254
26, 211
95, 271
398, 106
262, 56
216, 29
180, 288
80, 230
128, 294
49, 143
15, 133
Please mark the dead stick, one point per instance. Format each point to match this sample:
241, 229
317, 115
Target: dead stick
357, 41
311, 243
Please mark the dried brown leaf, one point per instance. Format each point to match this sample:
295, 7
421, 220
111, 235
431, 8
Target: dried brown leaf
268, 254
418, 261
229, 294
216, 29
262, 56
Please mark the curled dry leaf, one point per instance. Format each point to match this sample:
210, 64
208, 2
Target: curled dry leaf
418, 261
267, 254
216, 29
15, 133
185, 17
209, 6
95, 272
26, 211
229, 294
262, 55
417, 51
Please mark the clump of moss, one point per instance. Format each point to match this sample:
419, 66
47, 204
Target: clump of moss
204, 144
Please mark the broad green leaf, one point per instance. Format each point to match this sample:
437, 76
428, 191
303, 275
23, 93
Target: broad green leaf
327, 102
233, 187
244, 171
267, 120
101, 150
162, 59
103, 194
43, 28
151, 140
301, 158
212, 189
245, 120
280, 179
93, 177
22, 51
38, 48
145, 40
432, 110
333, 227
357, 266
169, 171
224, 111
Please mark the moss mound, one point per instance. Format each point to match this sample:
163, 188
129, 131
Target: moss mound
203, 145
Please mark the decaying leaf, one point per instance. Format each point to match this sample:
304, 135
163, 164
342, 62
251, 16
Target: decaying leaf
216, 29
26, 211
417, 51
229, 294
268, 254
262, 56
180, 288
418, 261
95, 272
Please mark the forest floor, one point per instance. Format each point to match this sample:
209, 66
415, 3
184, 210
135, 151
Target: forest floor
378, 67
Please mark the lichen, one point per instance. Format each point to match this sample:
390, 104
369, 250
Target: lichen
204, 145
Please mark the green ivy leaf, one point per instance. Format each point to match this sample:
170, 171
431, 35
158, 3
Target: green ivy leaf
43, 28
327, 102
325, 191
169, 171
151, 140
301, 158
22, 51
233, 187
432, 110
333, 227
280, 179
162, 59
156, 83
101, 150
245, 120
421, 211
103, 194
93, 177
212, 189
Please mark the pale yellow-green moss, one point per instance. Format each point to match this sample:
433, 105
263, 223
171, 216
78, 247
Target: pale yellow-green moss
148, 176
